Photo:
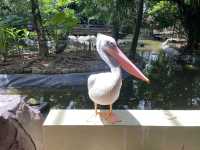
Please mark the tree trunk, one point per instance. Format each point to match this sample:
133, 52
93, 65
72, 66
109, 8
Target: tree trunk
190, 16
61, 43
191, 23
136, 31
115, 20
37, 21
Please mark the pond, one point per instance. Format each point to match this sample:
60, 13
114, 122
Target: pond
173, 86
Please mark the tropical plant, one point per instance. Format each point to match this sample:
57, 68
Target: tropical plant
164, 14
60, 20
187, 11
190, 16
13, 14
7, 36
21, 35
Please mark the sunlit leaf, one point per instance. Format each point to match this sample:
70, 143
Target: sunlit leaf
58, 18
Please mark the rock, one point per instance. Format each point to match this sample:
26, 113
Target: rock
27, 70
20, 125
36, 70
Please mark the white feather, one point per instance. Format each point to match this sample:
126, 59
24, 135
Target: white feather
104, 88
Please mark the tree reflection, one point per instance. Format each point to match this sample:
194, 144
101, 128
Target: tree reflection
172, 86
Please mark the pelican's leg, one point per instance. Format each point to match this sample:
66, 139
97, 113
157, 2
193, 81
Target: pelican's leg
103, 114
112, 117
110, 110
107, 115
95, 107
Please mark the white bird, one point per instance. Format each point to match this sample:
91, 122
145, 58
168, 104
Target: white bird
104, 88
171, 52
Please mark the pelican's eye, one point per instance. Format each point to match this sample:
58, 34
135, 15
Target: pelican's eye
111, 44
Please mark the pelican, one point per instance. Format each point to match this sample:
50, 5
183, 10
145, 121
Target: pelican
171, 52
104, 88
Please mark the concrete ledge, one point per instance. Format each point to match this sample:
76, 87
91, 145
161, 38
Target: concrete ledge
138, 130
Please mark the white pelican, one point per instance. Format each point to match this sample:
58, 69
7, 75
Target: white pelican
104, 88
171, 52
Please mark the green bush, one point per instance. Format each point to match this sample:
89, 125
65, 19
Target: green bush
7, 37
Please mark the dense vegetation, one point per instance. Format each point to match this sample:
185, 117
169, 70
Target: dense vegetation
44, 20
167, 13
28, 26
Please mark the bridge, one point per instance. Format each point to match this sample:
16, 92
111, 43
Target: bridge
92, 30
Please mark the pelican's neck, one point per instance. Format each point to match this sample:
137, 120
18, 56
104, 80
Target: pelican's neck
113, 65
165, 44
116, 71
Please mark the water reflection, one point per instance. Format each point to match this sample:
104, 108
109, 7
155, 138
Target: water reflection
173, 86
76, 97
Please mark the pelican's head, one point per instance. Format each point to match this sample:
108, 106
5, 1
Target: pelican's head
105, 42
113, 56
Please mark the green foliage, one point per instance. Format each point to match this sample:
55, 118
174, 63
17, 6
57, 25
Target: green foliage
14, 13
119, 13
58, 15
100, 10
14, 18
66, 20
14, 21
59, 19
10, 38
194, 3
7, 36
164, 14
62, 3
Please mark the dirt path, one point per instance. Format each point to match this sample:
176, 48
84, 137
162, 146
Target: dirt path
66, 62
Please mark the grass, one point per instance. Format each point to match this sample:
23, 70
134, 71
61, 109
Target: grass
150, 45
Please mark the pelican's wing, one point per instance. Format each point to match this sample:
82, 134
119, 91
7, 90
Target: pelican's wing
103, 83
91, 81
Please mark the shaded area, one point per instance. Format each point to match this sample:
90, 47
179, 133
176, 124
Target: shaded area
174, 84
42, 81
